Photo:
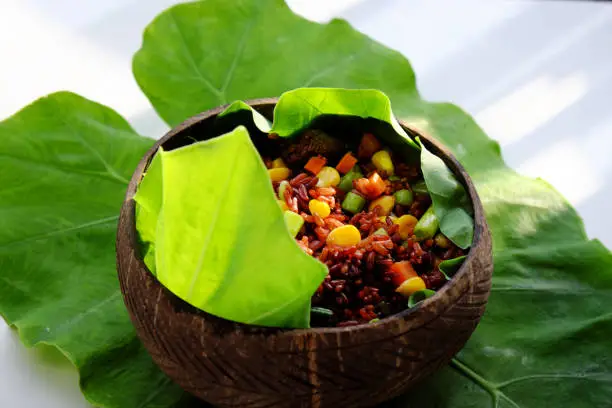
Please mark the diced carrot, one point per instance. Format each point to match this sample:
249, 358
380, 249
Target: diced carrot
368, 146
315, 164
372, 187
347, 162
402, 271
377, 185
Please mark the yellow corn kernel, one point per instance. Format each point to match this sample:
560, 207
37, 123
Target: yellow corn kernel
328, 177
279, 173
384, 202
411, 285
319, 208
283, 205
382, 161
345, 236
406, 225
278, 163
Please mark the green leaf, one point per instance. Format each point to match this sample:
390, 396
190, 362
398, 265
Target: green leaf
64, 166
543, 340
450, 201
258, 119
221, 245
297, 108
450, 267
199, 55
420, 296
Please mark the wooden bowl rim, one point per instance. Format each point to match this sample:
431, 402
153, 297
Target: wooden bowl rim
480, 225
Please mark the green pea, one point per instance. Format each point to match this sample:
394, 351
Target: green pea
427, 226
403, 197
353, 203
441, 241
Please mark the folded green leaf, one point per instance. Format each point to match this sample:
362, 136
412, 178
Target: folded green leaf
64, 166
420, 296
258, 119
450, 200
451, 266
222, 244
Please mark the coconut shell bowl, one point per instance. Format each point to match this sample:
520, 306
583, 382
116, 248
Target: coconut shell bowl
230, 364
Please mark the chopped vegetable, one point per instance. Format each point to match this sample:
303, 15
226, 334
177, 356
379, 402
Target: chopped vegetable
353, 203
283, 205
404, 197
385, 204
441, 241
402, 271
294, 222
371, 187
347, 162
394, 178
281, 189
279, 173
345, 236
383, 163
315, 164
319, 208
377, 184
410, 286
406, 225
328, 177
380, 231
427, 226
420, 188
346, 182
278, 163
420, 296
368, 146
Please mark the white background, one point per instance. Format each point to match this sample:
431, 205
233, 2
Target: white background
536, 75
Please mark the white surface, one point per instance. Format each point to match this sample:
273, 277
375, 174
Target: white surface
537, 76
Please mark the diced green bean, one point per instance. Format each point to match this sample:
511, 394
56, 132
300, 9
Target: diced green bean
321, 311
375, 320
294, 222
403, 197
353, 203
394, 178
427, 226
281, 189
419, 296
441, 241
346, 182
420, 187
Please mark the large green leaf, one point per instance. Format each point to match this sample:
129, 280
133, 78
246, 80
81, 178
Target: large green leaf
216, 246
543, 341
64, 166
